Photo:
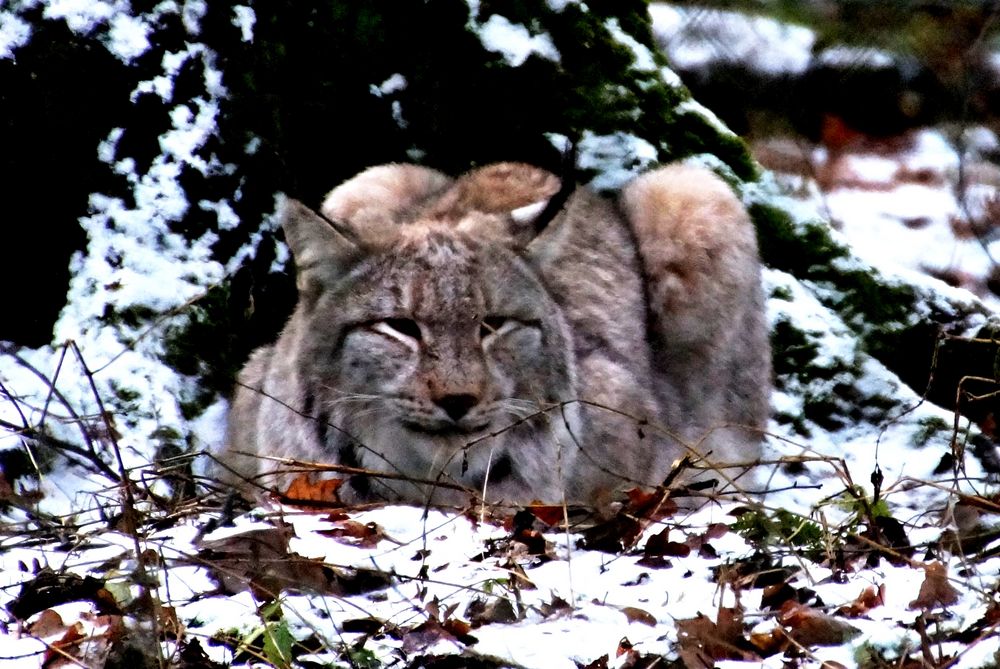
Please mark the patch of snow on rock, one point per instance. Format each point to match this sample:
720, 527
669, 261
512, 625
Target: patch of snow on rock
128, 37
244, 18
15, 32
513, 41
642, 57
617, 158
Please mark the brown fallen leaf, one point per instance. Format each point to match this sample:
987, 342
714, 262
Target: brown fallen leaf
550, 514
612, 536
659, 545
259, 560
170, 624
431, 631
65, 651
48, 623
702, 641
773, 596
353, 533
636, 615
936, 590
770, 642
322, 492
652, 505
812, 627
493, 610
869, 598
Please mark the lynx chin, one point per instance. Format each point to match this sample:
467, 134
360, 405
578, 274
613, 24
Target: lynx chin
465, 331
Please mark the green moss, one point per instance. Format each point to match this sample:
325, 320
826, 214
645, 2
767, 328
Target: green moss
871, 303
131, 317
207, 346
889, 318
123, 394
793, 349
799, 249
782, 293
873, 306
796, 422
781, 529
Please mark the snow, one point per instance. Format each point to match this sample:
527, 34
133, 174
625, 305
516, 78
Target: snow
438, 555
513, 41
642, 57
697, 37
393, 84
14, 33
561, 5
128, 37
860, 57
244, 18
616, 158
84, 16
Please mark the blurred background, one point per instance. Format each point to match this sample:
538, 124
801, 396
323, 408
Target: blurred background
882, 114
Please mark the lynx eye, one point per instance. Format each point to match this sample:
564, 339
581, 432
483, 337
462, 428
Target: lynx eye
403, 326
491, 325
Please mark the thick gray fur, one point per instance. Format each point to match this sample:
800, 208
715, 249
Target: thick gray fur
432, 315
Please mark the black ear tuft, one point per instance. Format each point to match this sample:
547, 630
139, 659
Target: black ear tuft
558, 201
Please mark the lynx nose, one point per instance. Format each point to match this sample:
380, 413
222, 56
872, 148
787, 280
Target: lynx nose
456, 406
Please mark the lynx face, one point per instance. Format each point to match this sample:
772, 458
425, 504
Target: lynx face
432, 340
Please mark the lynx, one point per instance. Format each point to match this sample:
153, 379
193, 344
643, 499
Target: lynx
500, 334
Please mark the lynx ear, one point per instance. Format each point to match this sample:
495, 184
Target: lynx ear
383, 194
545, 236
535, 218
322, 247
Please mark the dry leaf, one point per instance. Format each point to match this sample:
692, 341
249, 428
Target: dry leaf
550, 514
47, 624
770, 643
353, 533
870, 598
169, 622
494, 610
430, 632
259, 560
936, 590
812, 627
659, 545
637, 615
701, 642
64, 651
653, 505
304, 489
773, 596
611, 536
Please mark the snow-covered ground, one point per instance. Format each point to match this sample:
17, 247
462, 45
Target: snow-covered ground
570, 605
